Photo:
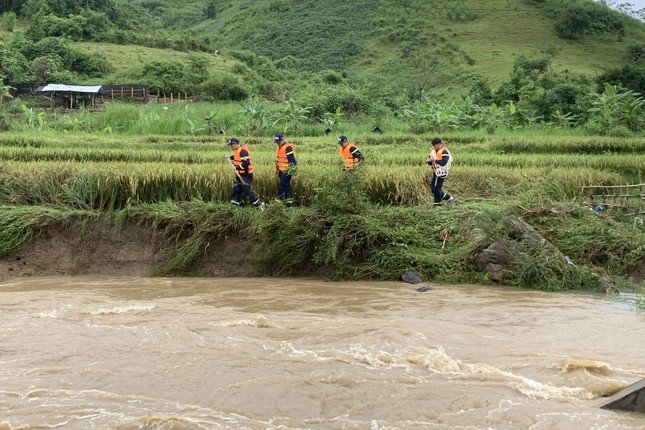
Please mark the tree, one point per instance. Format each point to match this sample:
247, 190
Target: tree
211, 10
572, 22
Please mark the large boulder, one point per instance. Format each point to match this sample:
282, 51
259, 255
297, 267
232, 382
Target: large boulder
496, 260
410, 277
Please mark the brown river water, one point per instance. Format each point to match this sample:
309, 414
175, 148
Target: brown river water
168, 354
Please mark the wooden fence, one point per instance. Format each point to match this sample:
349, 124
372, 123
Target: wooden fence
131, 92
627, 199
176, 98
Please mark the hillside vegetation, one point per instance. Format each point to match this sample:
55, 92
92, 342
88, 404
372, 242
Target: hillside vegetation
401, 46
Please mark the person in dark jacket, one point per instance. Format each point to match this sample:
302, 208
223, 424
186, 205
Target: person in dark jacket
440, 161
349, 152
243, 165
285, 167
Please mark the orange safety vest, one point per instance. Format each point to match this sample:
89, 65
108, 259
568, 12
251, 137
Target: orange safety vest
441, 170
282, 162
237, 160
346, 153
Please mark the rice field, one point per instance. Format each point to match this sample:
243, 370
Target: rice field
110, 172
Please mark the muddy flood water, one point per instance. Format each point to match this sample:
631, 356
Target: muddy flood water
168, 354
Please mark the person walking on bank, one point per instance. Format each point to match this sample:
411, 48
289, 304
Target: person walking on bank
241, 161
286, 167
350, 153
440, 160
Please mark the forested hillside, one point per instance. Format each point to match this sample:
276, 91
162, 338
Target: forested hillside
374, 57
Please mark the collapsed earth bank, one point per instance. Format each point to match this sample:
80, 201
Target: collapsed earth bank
548, 248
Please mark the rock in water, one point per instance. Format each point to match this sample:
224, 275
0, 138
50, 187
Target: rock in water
424, 288
410, 277
631, 398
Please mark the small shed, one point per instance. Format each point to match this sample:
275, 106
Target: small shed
72, 93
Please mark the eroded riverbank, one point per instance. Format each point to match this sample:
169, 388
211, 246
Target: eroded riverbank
126, 353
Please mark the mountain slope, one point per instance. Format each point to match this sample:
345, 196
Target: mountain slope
370, 38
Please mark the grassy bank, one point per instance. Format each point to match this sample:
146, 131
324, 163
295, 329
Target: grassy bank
360, 241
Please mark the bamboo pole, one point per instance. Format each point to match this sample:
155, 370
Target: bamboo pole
611, 186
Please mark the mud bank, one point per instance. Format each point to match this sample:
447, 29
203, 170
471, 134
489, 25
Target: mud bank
556, 249
102, 248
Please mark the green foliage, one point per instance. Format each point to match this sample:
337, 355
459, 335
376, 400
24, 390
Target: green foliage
52, 26
224, 86
290, 115
62, 59
166, 77
9, 21
210, 12
329, 98
255, 117
580, 18
630, 76
636, 52
15, 66
50, 69
326, 37
33, 118
614, 108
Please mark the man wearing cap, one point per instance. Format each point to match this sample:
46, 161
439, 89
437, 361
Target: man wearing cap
349, 152
241, 161
285, 168
440, 161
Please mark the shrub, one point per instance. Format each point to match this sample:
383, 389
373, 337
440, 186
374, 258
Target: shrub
224, 87
636, 52
9, 21
630, 76
166, 77
349, 100
580, 18
50, 25
332, 77
49, 68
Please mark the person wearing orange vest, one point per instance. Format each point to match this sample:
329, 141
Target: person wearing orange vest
241, 160
285, 168
350, 153
440, 161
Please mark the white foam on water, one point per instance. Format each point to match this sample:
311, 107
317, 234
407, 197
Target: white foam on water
259, 321
117, 310
437, 361
50, 314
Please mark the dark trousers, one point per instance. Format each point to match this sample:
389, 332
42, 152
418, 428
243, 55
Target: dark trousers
435, 186
284, 186
240, 188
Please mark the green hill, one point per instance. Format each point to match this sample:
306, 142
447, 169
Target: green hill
385, 39
398, 47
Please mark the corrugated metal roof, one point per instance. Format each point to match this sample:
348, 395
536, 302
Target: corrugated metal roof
90, 89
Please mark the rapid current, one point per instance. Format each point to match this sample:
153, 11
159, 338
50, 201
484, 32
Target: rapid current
169, 354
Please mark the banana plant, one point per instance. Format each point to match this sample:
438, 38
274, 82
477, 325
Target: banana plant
291, 115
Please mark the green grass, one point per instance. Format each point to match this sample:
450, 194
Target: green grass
128, 60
